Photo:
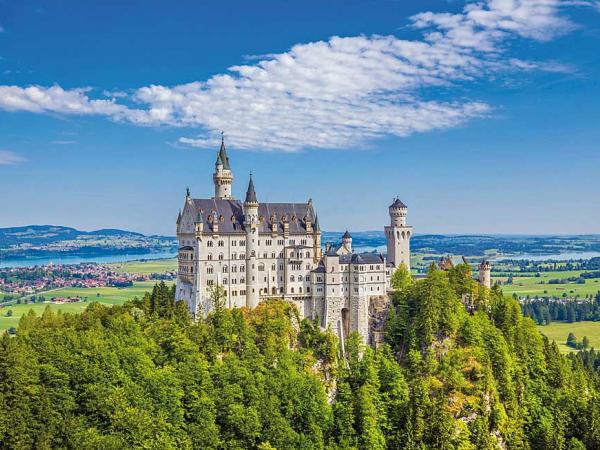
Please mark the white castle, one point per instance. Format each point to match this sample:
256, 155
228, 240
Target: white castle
256, 251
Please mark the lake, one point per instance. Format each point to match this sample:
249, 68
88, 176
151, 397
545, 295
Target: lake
555, 256
29, 262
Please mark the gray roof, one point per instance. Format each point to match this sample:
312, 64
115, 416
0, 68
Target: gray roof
251, 193
222, 157
232, 214
346, 235
187, 247
398, 204
361, 258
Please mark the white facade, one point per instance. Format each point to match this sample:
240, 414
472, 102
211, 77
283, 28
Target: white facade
260, 250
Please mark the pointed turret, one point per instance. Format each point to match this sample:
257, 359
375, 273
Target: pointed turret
316, 226
251, 193
222, 178
179, 217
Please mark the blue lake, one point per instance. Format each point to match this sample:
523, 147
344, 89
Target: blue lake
29, 262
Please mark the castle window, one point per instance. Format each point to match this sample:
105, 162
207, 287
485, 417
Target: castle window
300, 289
308, 289
225, 269
242, 256
234, 255
377, 266
280, 266
221, 243
233, 243
243, 292
209, 282
281, 290
224, 280
242, 243
209, 244
303, 241
209, 256
280, 242
269, 242
242, 268
261, 267
242, 280
292, 242
209, 269
273, 255
220, 256
273, 266
265, 255
233, 281
292, 278
234, 268
299, 277
308, 254
292, 290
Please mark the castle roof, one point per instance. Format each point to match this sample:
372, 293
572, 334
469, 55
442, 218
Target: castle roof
251, 193
346, 235
360, 258
222, 157
398, 204
232, 214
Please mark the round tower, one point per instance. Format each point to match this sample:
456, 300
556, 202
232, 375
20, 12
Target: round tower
223, 177
251, 224
485, 274
398, 235
347, 241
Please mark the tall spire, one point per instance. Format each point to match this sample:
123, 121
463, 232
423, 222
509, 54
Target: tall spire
251, 193
316, 225
222, 157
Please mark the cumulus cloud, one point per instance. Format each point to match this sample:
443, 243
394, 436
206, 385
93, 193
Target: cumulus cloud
334, 93
8, 158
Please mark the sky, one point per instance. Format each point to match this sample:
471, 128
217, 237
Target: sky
483, 117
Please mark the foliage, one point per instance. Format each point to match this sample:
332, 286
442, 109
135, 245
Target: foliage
143, 375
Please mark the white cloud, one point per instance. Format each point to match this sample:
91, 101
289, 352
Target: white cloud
335, 93
8, 158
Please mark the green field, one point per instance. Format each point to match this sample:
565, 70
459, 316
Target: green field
146, 267
533, 286
558, 331
104, 295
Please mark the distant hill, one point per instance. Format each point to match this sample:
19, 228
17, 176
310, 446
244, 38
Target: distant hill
477, 245
37, 241
51, 240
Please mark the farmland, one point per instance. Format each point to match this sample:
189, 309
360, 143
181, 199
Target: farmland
539, 286
558, 331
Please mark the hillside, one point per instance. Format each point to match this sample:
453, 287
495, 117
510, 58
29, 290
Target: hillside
49, 241
143, 375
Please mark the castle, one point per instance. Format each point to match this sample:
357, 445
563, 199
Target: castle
255, 251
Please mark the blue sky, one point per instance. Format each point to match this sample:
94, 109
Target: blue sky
482, 117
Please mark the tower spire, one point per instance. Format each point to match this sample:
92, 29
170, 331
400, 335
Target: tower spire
251, 192
222, 178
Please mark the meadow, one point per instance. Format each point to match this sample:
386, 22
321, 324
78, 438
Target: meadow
538, 286
146, 267
558, 331
103, 295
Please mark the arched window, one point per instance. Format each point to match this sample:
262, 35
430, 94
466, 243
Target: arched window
209, 256
220, 256
299, 277
292, 278
225, 268
209, 244
261, 267
308, 254
209, 269
242, 268
292, 290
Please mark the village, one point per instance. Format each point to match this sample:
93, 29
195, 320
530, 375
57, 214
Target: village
22, 281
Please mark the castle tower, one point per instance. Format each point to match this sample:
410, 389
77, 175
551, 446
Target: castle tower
317, 240
398, 235
347, 241
251, 224
485, 274
222, 178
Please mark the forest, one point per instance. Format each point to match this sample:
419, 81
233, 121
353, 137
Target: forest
462, 369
